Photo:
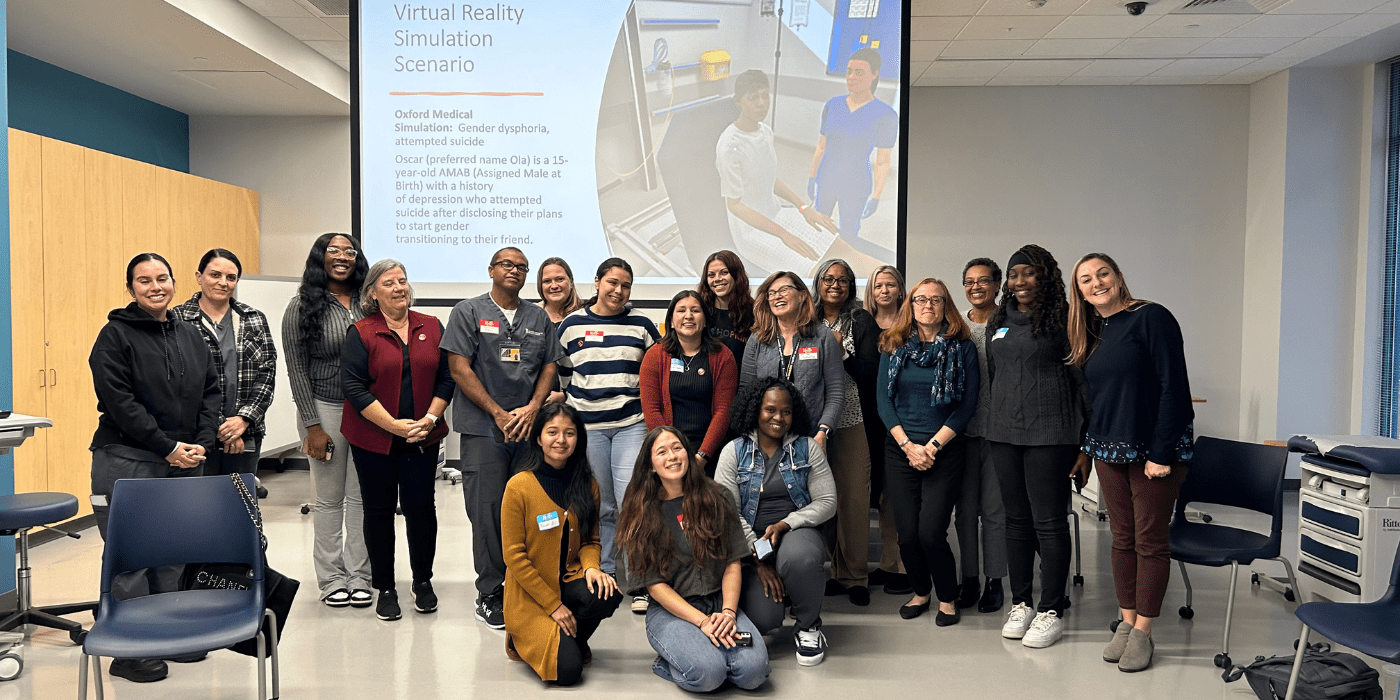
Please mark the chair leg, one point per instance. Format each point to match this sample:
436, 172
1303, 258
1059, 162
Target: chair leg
1078, 555
1185, 578
1297, 663
82, 676
262, 666
276, 672
1292, 580
1223, 661
97, 675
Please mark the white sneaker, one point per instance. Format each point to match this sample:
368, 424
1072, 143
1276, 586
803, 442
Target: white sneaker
811, 646
1018, 621
1046, 629
640, 604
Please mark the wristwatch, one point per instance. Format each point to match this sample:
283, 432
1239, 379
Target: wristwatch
824, 429
432, 418
936, 444
701, 454
903, 442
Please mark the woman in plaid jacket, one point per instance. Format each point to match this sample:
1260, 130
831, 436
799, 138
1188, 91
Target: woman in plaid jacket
244, 357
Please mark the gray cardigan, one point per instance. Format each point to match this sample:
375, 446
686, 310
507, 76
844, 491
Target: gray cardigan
822, 381
821, 486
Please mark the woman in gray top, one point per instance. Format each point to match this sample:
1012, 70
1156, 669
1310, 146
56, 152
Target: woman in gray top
789, 342
313, 330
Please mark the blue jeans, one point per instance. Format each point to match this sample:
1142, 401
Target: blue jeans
612, 452
690, 660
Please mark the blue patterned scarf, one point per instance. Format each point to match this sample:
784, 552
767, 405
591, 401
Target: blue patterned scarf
942, 356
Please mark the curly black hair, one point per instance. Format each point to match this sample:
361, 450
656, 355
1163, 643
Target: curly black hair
1051, 312
743, 416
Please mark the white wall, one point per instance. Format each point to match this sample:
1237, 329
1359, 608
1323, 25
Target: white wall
1153, 176
300, 167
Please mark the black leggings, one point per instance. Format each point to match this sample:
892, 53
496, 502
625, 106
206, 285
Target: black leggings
589, 611
923, 506
1035, 487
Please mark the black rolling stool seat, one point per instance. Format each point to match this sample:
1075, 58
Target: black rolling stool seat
19, 514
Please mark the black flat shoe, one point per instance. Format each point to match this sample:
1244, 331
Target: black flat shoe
834, 587
910, 612
879, 577
943, 619
860, 595
992, 597
968, 596
898, 584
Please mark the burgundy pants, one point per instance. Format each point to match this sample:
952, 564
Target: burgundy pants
1140, 514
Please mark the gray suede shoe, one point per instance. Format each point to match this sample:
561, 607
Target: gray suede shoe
1114, 651
1138, 654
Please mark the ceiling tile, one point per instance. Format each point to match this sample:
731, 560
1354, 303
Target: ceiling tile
1238, 78
1072, 47
1020, 27
308, 28
1287, 25
926, 50
1115, 8
1125, 67
1311, 47
945, 8
1175, 80
1021, 7
986, 49
964, 69
1157, 47
1392, 7
1043, 69
1269, 65
1360, 26
1008, 80
1202, 66
334, 50
1098, 27
340, 24
278, 8
1250, 46
1193, 26
1323, 7
916, 69
1098, 80
935, 28
951, 82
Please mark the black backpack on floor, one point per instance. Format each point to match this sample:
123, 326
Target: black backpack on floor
1326, 675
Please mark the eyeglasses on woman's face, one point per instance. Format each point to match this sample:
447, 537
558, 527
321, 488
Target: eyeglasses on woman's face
927, 301
781, 291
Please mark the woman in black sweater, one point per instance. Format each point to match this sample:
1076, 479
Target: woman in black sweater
1032, 438
1139, 435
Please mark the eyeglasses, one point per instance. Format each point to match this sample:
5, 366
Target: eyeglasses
781, 291
979, 280
926, 301
838, 281
347, 252
510, 267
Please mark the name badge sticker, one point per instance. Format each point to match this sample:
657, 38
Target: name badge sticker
548, 521
491, 327
1001, 333
806, 353
677, 365
593, 336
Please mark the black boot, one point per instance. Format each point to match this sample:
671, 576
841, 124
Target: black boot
992, 597
970, 590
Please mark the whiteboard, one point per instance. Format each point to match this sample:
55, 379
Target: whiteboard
270, 295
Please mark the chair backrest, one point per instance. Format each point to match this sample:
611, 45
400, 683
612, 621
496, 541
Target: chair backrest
1238, 474
182, 520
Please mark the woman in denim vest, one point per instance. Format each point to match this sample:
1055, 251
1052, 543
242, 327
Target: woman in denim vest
784, 489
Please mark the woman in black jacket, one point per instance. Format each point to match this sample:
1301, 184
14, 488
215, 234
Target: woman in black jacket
1033, 435
158, 399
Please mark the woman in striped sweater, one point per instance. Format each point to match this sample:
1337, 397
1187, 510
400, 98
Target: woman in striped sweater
604, 343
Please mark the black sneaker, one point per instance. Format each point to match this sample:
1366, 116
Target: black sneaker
424, 599
139, 670
488, 610
388, 608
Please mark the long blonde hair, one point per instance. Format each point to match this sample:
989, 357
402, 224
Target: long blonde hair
904, 326
870, 288
1085, 324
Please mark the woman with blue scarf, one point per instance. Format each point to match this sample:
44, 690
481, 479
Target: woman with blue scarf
927, 392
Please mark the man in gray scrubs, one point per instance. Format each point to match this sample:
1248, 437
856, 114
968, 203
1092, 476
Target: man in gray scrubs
502, 355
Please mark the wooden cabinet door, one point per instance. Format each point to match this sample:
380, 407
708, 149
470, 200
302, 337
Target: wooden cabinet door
30, 378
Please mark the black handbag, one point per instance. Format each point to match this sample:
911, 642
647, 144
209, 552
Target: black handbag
278, 590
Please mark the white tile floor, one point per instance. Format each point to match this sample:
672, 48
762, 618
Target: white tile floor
347, 653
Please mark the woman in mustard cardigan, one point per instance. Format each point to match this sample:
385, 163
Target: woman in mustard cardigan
554, 603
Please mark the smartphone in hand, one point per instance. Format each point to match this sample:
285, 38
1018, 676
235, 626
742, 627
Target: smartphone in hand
763, 549
743, 639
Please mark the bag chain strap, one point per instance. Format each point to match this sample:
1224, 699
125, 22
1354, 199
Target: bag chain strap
250, 505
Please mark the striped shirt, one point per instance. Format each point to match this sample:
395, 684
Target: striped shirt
601, 363
314, 369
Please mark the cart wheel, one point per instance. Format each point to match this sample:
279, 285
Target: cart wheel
1205, 518
1113, 626
78, 635
1254, 579
1222, 661
305, 508
1288, 595
1078, 580
10, 666
1186, 612
1103, 518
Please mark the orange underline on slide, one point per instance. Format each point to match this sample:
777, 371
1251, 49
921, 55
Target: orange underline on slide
479, 94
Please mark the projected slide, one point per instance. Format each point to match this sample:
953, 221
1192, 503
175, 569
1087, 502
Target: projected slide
613, 127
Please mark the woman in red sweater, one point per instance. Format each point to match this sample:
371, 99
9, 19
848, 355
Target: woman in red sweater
689, 380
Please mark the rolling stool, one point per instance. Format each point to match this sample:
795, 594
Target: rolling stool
18, 515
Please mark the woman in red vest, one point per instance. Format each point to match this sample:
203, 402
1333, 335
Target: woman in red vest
396, 385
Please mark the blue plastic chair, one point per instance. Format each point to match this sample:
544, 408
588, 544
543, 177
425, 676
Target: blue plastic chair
169, 522
1242, 475
1370, 628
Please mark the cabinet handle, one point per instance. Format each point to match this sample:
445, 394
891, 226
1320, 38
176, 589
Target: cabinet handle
54, 380
43, 378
